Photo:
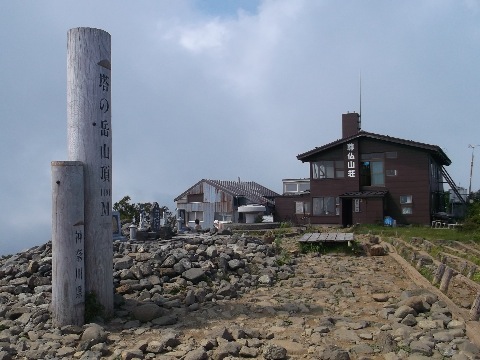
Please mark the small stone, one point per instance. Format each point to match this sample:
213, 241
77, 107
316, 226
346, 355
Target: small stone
380, 297
274, 352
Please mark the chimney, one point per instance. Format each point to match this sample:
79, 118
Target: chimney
350, 124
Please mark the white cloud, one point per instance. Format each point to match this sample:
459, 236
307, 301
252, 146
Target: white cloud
198, 94
211, 35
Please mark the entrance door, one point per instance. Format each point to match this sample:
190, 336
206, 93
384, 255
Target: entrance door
347, 217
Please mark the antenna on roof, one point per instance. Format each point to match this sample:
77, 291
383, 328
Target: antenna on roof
360, 110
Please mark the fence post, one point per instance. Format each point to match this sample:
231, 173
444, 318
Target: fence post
475, 310
447, 276
438, 274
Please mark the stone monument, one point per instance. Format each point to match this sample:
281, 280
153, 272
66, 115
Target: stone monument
155, 218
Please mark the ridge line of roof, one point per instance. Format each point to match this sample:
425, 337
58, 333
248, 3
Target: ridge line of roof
363, 133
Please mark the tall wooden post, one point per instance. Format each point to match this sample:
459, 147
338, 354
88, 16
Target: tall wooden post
68, 283
90, 141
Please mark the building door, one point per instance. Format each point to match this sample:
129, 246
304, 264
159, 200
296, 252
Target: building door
347, 217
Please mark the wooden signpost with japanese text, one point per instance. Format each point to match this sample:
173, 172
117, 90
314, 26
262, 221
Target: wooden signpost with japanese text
68, 266
89, 137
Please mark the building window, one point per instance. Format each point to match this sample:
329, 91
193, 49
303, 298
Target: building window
405, 199
328, 169
192, 215
222, 216
391, 172
302, 187
302, 208
291, 188
436, 172
296, 187
371, 173
391, 154
194, 198
324, 206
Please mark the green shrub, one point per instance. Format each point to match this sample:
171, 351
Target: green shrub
286, 224
472, 220
93, 308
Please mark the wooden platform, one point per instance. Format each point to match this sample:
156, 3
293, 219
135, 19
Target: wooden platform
326, 237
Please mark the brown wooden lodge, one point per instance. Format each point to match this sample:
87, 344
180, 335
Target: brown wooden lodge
366, 178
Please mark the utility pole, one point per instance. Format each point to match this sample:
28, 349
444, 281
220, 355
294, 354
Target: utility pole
471, 169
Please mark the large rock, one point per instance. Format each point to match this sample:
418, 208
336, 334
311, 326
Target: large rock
147, 312
194, 275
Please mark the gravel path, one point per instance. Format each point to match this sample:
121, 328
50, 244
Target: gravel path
248, 305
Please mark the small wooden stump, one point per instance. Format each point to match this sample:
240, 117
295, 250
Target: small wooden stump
475, 310
438, 274
472, 271
420, 263
447, 276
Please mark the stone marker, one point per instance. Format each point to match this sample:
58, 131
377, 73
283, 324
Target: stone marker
155, 217
117, 227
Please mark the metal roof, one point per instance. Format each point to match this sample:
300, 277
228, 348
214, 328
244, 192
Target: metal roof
254, 192
434, 149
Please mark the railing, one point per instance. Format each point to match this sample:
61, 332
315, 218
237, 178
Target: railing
450, 182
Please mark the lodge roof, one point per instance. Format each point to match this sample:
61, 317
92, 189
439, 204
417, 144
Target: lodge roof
435, 150
364, 194
251, 190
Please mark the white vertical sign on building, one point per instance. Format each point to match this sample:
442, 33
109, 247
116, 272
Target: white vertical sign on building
351, 165
90, 141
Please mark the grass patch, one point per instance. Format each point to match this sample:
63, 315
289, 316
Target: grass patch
93, 307
476, 277
283, 256
426, 232
426, 272
286, 225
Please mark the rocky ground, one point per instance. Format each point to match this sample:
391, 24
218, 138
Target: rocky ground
228, 297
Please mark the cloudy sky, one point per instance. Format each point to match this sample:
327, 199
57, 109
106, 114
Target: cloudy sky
231, 89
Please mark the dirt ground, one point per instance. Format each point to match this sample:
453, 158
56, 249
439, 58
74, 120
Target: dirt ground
290, 313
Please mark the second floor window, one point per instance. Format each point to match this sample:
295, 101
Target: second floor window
296, 187
372, 173
328, 169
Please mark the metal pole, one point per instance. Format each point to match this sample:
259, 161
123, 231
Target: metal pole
471, 169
